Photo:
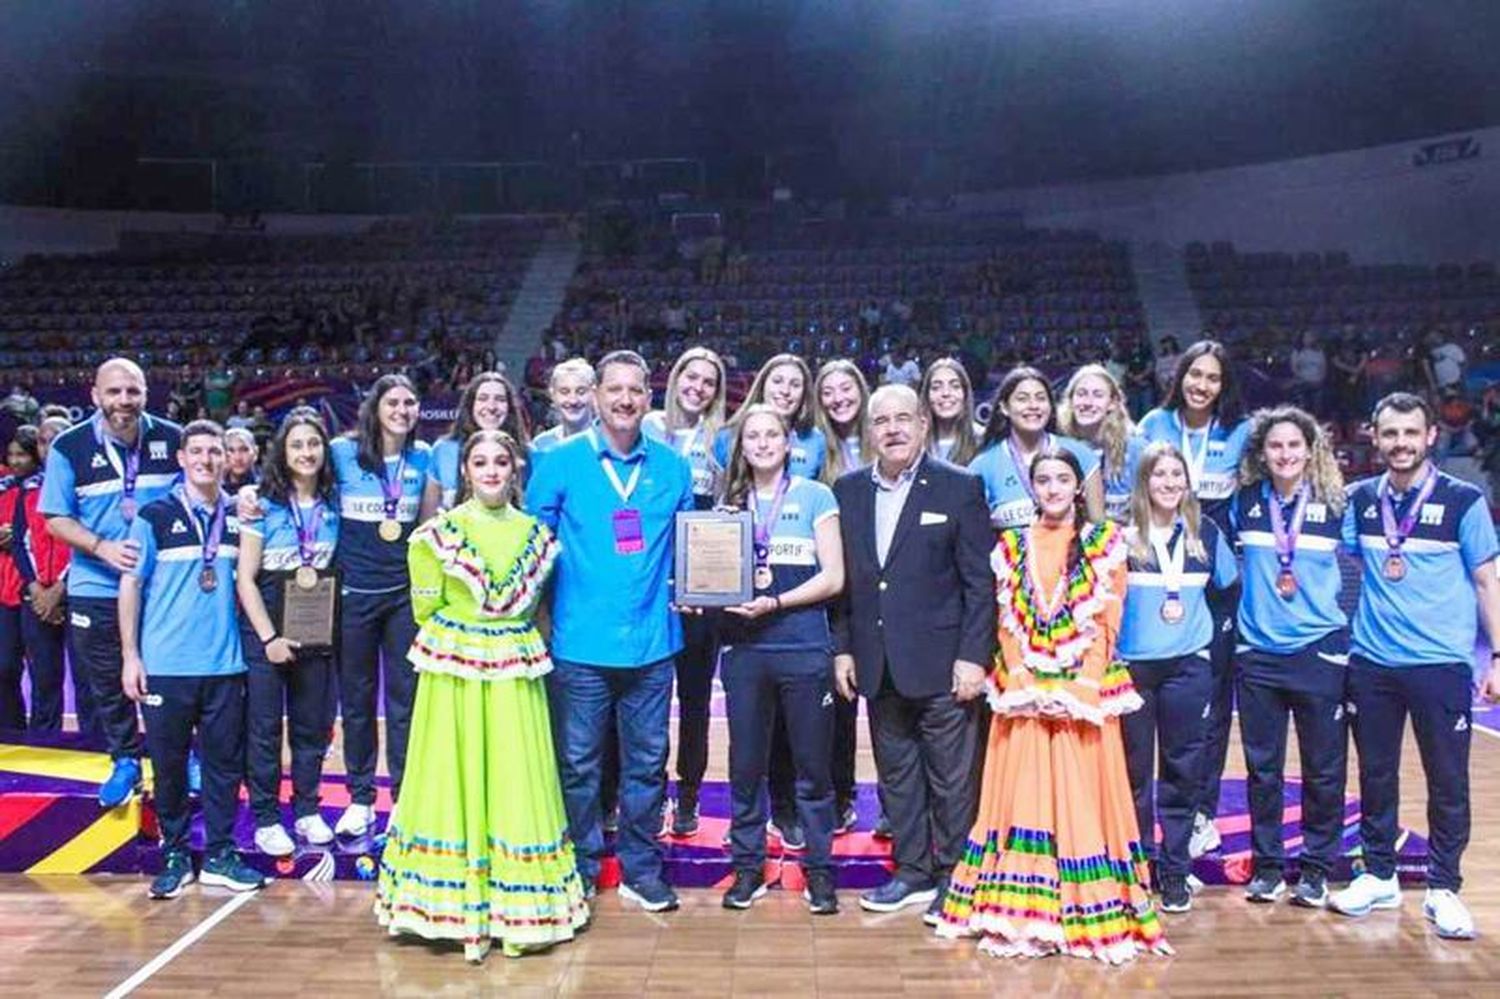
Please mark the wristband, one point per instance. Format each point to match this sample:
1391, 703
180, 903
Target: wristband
94, 545
268, 641
778, 602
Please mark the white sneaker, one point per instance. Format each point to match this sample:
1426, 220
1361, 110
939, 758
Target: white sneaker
356, 821
274, 842
1205, 838
1448, 914
313, 829
1367, 893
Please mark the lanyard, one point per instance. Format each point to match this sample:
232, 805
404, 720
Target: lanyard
1397, 533
763, 528
307, 531
1170, 558
391, 491
625, 489
1195, 459
132, 466
1023, 467
1286, 534
215, 534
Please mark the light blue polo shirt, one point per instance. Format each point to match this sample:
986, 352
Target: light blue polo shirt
1143, 634
1221, 464
85, 481
368, 564
279, 552
1010, 504
1119, 483
1431, 617
1267, 621
183, 630
612, 608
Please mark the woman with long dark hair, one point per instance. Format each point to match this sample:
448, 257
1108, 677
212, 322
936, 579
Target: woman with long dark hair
381, 470
1203, 418
488, 402
477, 849
1176, 557
1293, 645
291, 545
32, 595
1020, 428
948, 397
1054, 863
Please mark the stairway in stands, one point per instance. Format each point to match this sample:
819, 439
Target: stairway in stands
540, 297
1161, 279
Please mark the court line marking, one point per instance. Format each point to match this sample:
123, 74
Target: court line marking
182, 943
1486, 730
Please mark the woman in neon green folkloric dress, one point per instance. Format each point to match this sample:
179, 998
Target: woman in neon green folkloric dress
477, 848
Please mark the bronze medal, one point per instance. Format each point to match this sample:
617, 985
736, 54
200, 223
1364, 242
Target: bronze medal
390, 530
1172, 610
763, 577
1286, 584
207, 580
306, 577
1394, 568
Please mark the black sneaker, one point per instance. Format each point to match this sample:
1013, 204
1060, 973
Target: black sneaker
612, 820
934, 914
748, 886
822, 899
653, 896
789, 832
1174, 895
846, 818
1311, 891
1266, 886
685, 815
883, 828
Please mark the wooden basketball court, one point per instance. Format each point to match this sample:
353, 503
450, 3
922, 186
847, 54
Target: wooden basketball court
98, 935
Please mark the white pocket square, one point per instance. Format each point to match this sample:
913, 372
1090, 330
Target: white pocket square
928, 517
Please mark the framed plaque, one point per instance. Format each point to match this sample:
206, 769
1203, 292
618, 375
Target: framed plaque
309, 614
715, 558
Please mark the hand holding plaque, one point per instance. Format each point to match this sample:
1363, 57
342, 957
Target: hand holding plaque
714, 558
309, 608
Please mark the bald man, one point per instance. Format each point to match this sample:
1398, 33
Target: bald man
99, 474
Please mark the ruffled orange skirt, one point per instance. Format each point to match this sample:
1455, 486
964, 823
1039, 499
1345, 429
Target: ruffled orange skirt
1054, 862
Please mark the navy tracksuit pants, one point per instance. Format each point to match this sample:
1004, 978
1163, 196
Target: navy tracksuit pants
1308, 685
1439, 700
214, 707
1167, 735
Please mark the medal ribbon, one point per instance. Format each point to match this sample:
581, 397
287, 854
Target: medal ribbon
1023, 468
132, 467
1397, 533
215, 534
1170, 559
391, 491
1195, 459
763, 528
1286, 535
307, 531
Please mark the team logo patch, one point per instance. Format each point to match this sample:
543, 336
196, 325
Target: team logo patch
157, 450
1432, 514
1316, 513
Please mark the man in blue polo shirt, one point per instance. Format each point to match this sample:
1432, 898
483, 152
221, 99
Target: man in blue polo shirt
180, 645
1429, 550
612, 495
100, 474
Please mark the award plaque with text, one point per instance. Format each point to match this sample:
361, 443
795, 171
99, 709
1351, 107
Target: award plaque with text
715, 558
309, 613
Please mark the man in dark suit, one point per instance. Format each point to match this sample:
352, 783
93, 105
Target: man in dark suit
915, 634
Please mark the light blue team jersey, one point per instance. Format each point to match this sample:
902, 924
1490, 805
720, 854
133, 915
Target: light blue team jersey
185, 631
1220, 475
1119, 483
693, 444
804, 456
278, 533
794, 560
1269, 622
443, 468
1005, 490
1430, 617
369, 564
85, 480
1144, 635
611, 600
550, 438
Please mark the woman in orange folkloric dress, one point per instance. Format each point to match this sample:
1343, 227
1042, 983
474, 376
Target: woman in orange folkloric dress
1054, 862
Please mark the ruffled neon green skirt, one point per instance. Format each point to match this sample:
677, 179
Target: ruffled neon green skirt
477, 848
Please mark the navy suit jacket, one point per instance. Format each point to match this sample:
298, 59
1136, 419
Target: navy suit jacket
934, 599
